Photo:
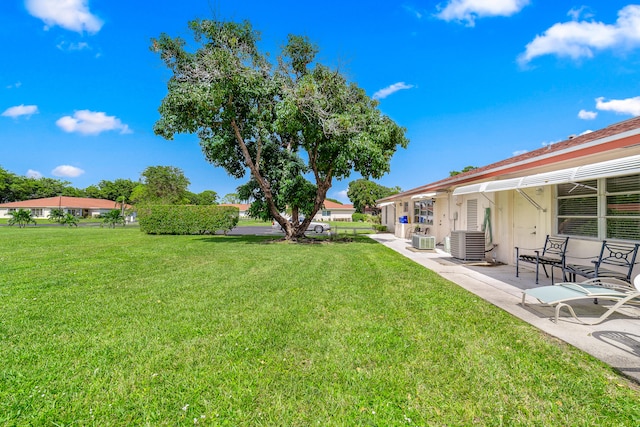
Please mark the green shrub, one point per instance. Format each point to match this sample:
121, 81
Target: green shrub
187, 219
358, 217
380, 228
22, 217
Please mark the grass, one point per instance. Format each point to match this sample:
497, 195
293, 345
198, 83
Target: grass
114, 327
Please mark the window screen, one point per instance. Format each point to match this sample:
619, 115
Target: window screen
605, 208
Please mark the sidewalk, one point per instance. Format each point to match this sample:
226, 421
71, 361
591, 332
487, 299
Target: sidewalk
616, 341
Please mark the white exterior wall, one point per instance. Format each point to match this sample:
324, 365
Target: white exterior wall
4, 212
388, 217
335, 215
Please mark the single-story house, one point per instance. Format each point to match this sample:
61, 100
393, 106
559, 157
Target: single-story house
332, 211
586, 187
79, 206
243, 208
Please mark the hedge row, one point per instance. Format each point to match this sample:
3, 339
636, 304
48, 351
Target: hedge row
187, 219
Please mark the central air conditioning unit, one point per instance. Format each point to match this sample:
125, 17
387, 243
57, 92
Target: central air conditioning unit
467, 245
423, 242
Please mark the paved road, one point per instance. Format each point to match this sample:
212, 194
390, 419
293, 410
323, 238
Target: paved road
257, 231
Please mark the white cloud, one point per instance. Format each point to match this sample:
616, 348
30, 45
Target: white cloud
587, 115
621, 106
91, 123
469, 10
15, 85
72, 15
342, 196
518, 152
579, 12
20, 110
33, 174
580, 39
413, 11
383, 93
67, 171
68, 46
548, 143
586, 132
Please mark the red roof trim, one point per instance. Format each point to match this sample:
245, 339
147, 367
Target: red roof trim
619, 135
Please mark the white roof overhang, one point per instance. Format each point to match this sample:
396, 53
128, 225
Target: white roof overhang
381, 205
617, 167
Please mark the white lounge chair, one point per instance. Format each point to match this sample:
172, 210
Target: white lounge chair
603, 288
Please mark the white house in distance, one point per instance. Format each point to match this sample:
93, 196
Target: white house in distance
78, 206
332, 211
587, 188
243, 208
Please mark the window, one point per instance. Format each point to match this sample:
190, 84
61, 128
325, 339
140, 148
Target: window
578, 209
623, 207
326, 213
607, 208
75, 212
423, 212
36, 212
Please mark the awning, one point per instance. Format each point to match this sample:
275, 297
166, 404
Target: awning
381, 205
617, 167
424, 196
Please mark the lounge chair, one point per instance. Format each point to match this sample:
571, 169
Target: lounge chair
553, 255
559, 295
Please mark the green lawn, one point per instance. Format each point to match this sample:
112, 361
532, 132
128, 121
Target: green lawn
107, 327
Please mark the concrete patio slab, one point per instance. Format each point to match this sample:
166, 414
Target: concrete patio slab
616, 341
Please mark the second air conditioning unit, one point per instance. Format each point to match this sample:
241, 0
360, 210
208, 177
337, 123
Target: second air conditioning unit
423, 242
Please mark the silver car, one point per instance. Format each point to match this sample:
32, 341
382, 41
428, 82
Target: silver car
317, 227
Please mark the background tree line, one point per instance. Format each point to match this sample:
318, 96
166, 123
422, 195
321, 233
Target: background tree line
157, 184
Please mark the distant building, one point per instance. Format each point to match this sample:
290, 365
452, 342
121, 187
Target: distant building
243, 208
78, 206
332, 211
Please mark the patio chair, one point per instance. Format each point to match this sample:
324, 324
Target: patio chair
553, 255
559, 295
615, 260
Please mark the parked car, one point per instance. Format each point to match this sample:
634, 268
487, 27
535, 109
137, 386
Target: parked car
317, 227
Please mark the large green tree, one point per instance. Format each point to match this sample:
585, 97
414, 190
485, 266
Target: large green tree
364, 193
120, 189
231, 198
165, 184
464, 169
207, 197
295, 126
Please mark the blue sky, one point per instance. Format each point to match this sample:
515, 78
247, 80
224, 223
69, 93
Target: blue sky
472, 81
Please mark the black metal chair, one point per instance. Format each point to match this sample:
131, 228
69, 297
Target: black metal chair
553, 255
620, 256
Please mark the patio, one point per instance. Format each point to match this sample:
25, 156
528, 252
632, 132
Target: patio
616, 341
